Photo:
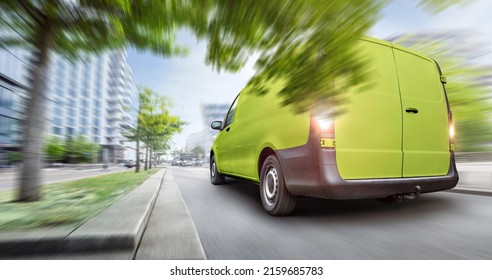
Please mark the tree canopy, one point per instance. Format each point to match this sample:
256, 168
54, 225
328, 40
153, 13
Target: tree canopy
155, 124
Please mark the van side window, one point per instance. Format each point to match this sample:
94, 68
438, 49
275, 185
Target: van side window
230, 115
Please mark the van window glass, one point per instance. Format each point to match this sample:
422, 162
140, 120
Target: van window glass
230, 115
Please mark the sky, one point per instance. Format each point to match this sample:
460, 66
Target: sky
189, 82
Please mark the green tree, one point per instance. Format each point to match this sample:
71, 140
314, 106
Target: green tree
306, 44
155, 125
80, 150
468, 94
198, 151
54, 149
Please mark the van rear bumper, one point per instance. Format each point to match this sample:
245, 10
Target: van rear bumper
312, 171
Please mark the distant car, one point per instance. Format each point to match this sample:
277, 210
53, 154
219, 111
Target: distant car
197, 162
130, 164
186, 162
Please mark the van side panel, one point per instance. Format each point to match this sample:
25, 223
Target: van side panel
425, 133
261, 122
369, 133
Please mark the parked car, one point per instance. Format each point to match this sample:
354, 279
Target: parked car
394, 139
130, 164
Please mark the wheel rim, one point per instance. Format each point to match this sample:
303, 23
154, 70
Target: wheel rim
271, 185
213, 169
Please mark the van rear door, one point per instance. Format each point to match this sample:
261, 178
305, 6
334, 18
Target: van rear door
425, 118
369, 133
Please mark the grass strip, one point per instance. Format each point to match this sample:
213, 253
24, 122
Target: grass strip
68, 203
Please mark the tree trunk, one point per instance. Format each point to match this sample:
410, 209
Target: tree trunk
151, 158
35, 118
137, 148
146, 156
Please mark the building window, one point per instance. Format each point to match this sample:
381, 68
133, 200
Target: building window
73, 92
6, 98
71, 111
95, 131
57, 121
5, 126
58, 111
57, 130
71, 121
70, 131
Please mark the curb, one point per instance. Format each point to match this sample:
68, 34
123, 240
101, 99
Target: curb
171, 227
111, 229
471, 191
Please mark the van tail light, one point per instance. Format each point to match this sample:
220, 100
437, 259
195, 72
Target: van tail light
451, 133
323, 125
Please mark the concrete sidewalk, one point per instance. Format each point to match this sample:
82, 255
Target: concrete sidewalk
475, 178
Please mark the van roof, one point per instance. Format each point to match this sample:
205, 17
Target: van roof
396, 46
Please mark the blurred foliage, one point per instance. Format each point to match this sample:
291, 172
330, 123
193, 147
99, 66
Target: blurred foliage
305, 43
469, 85
436, 6
54, 150
74, 27
13, 157
198, 152
80, 150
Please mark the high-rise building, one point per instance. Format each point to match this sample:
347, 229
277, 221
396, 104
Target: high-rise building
91, 97
206, 137
13, 80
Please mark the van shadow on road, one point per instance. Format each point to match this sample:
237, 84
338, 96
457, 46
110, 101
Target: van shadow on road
428, 204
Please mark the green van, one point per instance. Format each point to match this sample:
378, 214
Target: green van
394, 141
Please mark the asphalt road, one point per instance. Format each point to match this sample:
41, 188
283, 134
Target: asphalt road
231, 224
50, 175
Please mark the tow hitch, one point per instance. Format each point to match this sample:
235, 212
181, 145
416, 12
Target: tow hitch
402, 197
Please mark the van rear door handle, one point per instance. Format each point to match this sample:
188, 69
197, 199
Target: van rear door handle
412, 110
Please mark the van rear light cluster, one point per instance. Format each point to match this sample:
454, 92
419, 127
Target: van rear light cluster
325, 128
452, 148
323, 125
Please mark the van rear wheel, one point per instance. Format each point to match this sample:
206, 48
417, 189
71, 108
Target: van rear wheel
215, 177
275, 197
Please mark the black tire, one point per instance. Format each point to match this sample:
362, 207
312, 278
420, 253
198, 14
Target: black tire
276, 199
215, 176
